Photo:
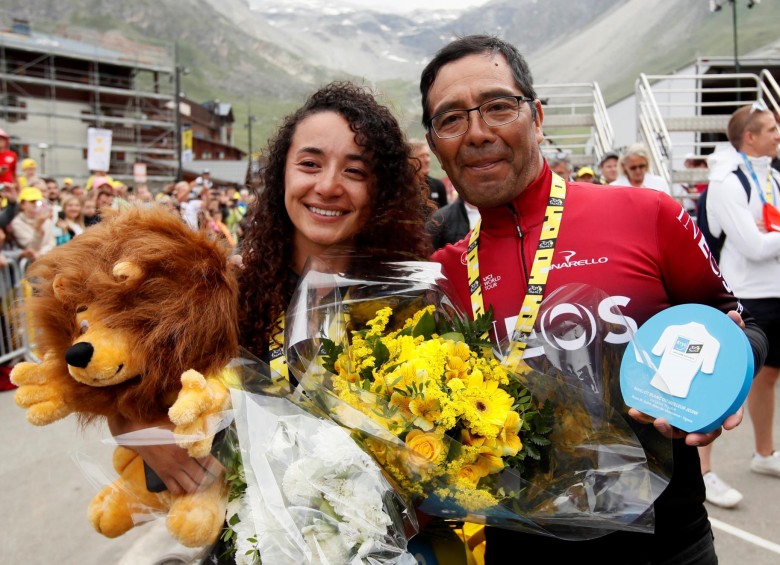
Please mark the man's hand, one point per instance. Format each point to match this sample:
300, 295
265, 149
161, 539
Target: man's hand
180, 472
693, 439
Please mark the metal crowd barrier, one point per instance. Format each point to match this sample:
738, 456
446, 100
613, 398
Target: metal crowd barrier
14, 333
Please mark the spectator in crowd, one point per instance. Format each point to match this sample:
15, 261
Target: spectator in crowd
8, 160
634, 165
67, 184
33, 228
586, 174
89, 211
29, 173
422, 154
750, 259
560, 163
143, 194
9, 190
97, 178
204, 180
452, 223
608, 166
52, 195
513, 195
693, 162
235, 214
104, 199
79, 191
169, 202
72, 216
190, 203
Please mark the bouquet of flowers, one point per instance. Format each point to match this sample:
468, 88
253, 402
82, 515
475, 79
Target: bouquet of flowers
301, 490
540, 447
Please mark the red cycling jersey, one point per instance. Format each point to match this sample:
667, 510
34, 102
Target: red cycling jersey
643, 251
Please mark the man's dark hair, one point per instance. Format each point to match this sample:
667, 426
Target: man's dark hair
476, 45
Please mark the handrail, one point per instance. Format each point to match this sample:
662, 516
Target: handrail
770, 94
581, 100
605, 137
653, 129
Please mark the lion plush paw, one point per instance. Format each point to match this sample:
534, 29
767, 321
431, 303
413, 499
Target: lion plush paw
126, 502
39, 393
199, 400
196, 519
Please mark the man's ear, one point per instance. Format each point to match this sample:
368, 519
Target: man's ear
538, 119
432, 145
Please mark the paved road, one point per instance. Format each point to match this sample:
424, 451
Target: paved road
44, 497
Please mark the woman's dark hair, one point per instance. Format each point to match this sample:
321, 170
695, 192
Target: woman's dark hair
395, 230
476, 45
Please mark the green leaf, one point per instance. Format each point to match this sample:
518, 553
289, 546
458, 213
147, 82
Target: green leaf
426, 326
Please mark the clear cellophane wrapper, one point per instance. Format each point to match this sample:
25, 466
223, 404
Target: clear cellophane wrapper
308, 493
438, 419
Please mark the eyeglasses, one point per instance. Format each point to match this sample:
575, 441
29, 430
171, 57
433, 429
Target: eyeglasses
495, 112
641, 167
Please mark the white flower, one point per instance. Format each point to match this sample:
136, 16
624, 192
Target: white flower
244, 528
297, 484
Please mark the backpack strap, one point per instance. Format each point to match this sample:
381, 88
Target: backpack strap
740, 174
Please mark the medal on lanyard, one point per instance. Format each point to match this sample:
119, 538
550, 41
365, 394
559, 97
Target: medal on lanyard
537, 281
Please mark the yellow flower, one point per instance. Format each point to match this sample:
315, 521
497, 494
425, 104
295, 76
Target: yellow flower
427, 410
456, 368
490, 463
402, 402
428, 446
486, 408
379, 321
471, 473
508, 440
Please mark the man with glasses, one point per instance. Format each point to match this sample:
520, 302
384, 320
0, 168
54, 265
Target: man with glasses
743, 189
484, 124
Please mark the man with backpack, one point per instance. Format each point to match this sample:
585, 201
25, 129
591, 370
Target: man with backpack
739, 217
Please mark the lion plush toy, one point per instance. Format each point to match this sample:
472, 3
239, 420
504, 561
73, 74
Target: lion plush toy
129, 317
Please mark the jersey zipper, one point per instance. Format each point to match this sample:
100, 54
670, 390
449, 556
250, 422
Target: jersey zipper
520, 239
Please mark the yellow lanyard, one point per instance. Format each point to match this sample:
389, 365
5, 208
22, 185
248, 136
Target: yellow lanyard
540, 270
278, 360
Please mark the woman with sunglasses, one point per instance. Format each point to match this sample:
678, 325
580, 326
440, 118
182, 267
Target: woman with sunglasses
634, 166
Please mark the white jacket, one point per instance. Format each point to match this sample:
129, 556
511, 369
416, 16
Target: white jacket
750, 259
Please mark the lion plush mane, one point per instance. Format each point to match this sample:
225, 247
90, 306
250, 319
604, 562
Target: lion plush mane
152, 278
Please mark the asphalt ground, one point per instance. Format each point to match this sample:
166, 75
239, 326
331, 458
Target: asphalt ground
44, 494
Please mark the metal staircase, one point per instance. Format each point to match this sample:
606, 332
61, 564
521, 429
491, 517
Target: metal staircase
683, 115
575, 122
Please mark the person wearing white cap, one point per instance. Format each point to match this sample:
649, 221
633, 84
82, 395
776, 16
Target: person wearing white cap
205, 179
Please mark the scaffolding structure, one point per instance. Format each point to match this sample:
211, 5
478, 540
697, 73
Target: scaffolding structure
54, 87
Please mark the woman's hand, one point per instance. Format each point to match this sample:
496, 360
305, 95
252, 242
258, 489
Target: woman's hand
180, 472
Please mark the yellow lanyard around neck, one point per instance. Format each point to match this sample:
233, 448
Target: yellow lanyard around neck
278, 360
540, 270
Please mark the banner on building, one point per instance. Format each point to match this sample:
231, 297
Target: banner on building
98, 149
186, 145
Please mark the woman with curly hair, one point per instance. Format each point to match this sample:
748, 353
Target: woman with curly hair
339, 174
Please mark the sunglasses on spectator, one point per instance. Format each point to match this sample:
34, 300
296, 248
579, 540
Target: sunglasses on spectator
637, 167
758, 106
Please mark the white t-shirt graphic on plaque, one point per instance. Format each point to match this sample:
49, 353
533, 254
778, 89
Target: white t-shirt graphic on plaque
685, 351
